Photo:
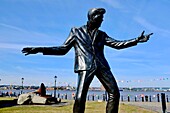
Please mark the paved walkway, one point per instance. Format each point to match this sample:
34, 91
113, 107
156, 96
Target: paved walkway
154, 106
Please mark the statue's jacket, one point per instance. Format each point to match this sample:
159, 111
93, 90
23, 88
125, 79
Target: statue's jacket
88, 49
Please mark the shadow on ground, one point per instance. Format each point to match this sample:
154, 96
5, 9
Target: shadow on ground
8, 103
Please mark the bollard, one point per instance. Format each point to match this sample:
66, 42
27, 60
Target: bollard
142, 96
93, 97
58, 95
98, 97
146, 98
128, 98
66, 96
158, 97
15, 94
163, 102
167, 98
142, 99
104, 97
88, 98
135, 99
150, 98
122, 98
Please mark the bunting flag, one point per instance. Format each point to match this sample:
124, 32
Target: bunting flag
120, 81
140, 81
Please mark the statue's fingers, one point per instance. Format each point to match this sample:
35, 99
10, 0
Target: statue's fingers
26, 49
142, 33
26, 54
23, 51
150, 34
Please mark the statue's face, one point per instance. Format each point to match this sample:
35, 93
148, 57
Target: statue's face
97, 20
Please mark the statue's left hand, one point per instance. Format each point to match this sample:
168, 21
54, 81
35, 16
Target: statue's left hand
144, 38
30, 50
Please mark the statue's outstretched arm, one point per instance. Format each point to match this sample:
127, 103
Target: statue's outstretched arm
58, 50
121, 44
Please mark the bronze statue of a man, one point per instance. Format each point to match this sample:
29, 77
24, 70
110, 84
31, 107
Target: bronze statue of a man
88, 42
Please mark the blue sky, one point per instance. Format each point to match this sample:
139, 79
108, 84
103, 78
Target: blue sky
26, 23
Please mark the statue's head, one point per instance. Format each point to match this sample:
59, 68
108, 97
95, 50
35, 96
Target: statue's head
95, 16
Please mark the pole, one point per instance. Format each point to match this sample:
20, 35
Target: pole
163, 102
55, 77
22, 79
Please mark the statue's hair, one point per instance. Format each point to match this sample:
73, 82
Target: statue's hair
95, 11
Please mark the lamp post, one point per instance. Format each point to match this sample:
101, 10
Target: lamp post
22, 85
55, 77
0, 90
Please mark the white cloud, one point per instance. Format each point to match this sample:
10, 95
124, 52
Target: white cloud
11, 46
10, 33
143, 22
113, 3
12, 27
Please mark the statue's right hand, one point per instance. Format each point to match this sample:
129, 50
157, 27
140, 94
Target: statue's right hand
30, 50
